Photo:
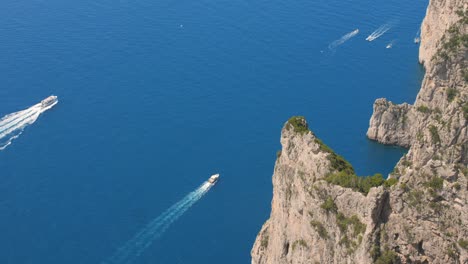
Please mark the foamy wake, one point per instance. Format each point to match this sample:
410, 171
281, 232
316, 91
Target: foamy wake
12, 125
379, 32
417, 37
156, 228
343, 39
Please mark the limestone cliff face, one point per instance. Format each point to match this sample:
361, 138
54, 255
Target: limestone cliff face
389, 123
429, 218
300, 230
440, 15
421, 214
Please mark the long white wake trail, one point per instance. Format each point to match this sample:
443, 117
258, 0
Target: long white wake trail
379, 32
156, 228
343, 39
12, 125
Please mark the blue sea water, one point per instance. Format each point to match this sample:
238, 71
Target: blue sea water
155, 96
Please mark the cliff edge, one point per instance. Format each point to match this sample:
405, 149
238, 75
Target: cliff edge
323, 213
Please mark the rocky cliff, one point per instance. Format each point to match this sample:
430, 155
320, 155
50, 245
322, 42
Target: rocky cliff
323, 213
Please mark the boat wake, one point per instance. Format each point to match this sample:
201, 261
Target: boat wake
379, 32
417, 38
343, 39
12, 125
156, 228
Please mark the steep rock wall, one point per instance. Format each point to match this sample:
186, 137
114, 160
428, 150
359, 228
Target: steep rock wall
422, 216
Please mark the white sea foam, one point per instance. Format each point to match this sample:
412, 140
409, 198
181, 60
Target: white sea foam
156, 228
417, 37
9, 140
379, 32
12, 125
343, 39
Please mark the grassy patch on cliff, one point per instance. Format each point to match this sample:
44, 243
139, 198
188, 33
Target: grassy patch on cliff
329, 205
436, 183
264, 242
451, 94
434, 134
299, 124
265, 239
463, 243
358, 228
345, 222
337, 162
319, 228
345, 176
388, 257
342, 171
359, 183
454, 38
424, 109
465, 110
301, 242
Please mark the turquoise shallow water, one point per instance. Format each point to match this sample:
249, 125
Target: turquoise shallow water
155, 96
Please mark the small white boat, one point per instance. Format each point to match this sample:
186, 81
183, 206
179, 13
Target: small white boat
417, 40
49, 102
213, 179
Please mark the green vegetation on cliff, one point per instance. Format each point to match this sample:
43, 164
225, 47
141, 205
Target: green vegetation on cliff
345, 222
346, 177
454, 38
342, 172
301, 242
337, 162
358, 228
434, 134
388, 257
299, 124
436, 183
451, 94
423, 109
319, 228
329, 205
463, 243
359, 183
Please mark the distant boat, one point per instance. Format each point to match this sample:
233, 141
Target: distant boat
213, 179
389, 46
49, 102
417, 40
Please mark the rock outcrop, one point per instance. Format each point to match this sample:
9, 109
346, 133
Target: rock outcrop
440, 15
323, 213
312, 221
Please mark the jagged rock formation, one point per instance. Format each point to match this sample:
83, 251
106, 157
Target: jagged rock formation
440, 15
303, 228
321, 213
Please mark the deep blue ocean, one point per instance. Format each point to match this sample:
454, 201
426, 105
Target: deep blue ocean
155, 96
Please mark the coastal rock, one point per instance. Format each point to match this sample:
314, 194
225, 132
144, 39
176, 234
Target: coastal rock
321, 213
300, 230
440, 15
389, 124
